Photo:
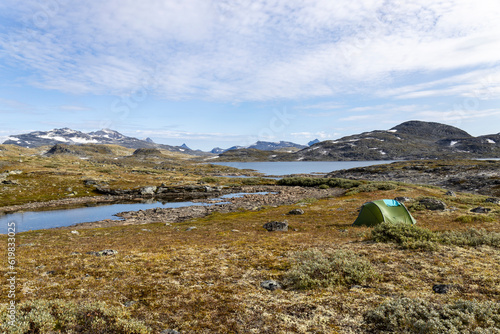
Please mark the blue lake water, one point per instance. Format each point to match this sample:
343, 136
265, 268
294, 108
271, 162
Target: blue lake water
35, 220
280, 168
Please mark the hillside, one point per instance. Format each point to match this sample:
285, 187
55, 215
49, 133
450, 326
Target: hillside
406, 141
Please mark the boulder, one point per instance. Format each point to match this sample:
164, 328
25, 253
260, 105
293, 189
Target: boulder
433, 204
480, 209
493, 200
148, 190
442, 288
451, 193
270, 285
402, 199
276, 226
296, 212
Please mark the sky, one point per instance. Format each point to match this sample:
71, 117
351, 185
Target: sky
231, 72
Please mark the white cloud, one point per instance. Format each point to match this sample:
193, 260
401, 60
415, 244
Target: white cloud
249, 50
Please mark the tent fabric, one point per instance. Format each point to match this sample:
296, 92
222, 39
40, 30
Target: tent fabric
386, 210
391, 202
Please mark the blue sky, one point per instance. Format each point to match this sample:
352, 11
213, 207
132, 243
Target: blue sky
220, 73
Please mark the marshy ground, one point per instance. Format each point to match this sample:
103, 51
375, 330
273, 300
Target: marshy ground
208, 279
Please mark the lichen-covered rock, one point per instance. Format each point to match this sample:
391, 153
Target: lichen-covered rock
276, 226
270, 285
433, 204
296, 212
480, 209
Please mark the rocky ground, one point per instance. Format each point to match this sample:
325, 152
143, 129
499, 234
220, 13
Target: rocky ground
276, 196
474, 176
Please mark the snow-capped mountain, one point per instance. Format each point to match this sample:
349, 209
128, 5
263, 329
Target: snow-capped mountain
73, 137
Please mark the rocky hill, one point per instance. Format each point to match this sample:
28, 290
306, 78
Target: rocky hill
409, 140
104, 136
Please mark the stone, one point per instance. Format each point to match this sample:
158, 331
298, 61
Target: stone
169, 331
493, 200
480, 209
402, 199
296, 212
433, 204
276, 226
451, 193
191, 228
106, 252
75, 232
270, 285
441, 288
148, 190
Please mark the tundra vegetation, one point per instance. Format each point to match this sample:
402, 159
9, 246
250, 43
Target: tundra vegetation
334, 278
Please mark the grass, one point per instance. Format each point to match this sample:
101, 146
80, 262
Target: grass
207, 280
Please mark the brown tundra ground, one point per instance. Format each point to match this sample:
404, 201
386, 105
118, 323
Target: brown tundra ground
208, 279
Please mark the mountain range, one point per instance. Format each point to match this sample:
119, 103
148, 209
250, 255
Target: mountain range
104, 136
408, 140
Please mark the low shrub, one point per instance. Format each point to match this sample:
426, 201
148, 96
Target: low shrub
316, 182
471, 219
42, 316
314, 269
209, 179
410, 316
472, 237
407, 236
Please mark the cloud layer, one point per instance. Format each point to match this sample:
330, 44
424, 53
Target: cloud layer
251, 50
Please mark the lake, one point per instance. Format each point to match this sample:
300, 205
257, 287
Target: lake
280, 168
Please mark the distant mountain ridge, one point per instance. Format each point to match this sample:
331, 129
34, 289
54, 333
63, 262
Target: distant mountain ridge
73, 137
406, 141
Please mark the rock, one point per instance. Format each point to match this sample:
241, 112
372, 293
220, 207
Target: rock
480, 209
493, 200
106, 252
129, 303
270, 285
169, 331
148, 190
10, 182
191, 228
75, 232
441, 288
433, 204
402, 199
451, 193
296, 212
276, 226
90, 182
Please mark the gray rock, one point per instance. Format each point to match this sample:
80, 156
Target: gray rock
493, 200
148, 190
442, 288
106, 252
402, 199
480, 209
276, 226
191, 228
433, 204
270, 285
451, 193
169, 331
296, 212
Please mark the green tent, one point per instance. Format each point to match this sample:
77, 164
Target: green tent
384, 210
